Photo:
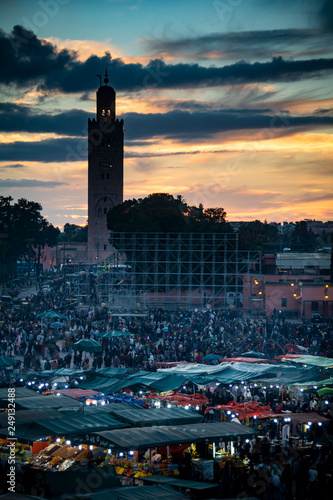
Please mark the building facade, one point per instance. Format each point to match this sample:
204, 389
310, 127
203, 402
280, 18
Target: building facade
105, 170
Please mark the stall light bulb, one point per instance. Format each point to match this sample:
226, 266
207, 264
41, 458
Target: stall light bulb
68, 442
88, 403
58, 440
29, 383
315, 387
109, 451
58, 394
242, 382
217, 384
228, 412
103, 403
184, 387
91, 447
277, 386
236, 387
255, 417
255, 385
197, 407
76, 382
140, 392
320, 424
309, 423
326, 402
66, 386
81, 378
121, 454
21, 379
131, 452
55, 384
275, 420
169, 405
186, 407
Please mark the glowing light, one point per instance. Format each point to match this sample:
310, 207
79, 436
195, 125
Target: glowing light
121, 454
109, 451
68, 442
91, 447
320, 424
131, 452
58, 440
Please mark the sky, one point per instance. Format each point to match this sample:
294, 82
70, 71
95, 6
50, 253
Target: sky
228, 103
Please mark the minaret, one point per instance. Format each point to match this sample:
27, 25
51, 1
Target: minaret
105, 170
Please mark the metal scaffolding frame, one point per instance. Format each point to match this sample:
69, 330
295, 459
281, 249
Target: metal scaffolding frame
169, 270
174, 270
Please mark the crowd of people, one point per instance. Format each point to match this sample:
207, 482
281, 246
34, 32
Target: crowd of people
158, 336
162, 336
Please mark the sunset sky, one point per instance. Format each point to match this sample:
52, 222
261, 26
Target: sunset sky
226, 102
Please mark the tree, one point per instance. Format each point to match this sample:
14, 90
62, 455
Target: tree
161, 212
73, 232
23, 227
257, 235
302, 239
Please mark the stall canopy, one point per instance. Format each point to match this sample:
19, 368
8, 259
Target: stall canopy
180, 483
314, 361
20, 392
39, 402
304, 418
158, 416
135, 492
65, 427
146, 437
27, 416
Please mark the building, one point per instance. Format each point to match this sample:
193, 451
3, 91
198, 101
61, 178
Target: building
105, 170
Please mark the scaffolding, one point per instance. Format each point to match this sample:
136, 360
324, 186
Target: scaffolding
172, 270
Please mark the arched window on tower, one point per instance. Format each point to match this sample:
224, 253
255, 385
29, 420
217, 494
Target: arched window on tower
105, 211
104, 247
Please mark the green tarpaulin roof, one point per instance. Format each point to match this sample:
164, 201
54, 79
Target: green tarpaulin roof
27, 416
313, 360
40, 402
20, 392
134, 492
158, 416
179, 483
147, 437
66, 427
81, 423
145, 493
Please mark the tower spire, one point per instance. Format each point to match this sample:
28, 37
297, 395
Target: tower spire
106, 80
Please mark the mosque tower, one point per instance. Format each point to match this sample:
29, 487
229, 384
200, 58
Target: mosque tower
105, 170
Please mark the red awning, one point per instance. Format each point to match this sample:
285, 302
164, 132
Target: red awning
78, 393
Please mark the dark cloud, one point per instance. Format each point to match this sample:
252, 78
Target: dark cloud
50, 150
176, 125
28, 183
326, 15
13, 165
245, 44
18, 118
25, 59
